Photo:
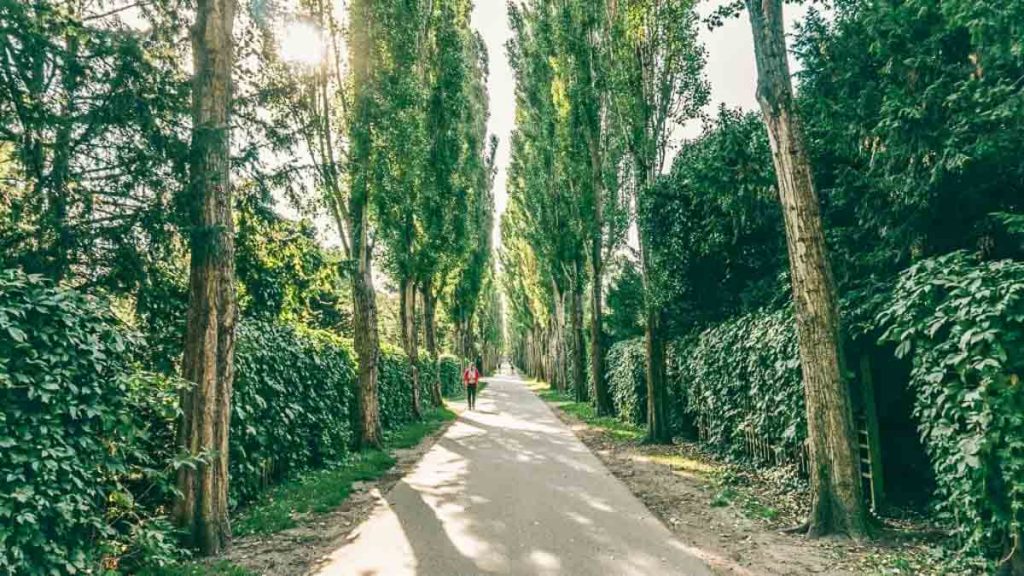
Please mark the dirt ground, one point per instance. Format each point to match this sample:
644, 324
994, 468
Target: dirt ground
298, 551
734, 520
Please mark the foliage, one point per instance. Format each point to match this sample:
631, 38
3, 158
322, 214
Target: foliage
625, 319
395, 393
744, 375
92, 148
291, 401
450, 372
82, 444
913, 114
284, 274
720, 246
961, 321
627, 380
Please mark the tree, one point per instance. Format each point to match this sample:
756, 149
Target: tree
401, 150
202, 505
656, 83
837, 504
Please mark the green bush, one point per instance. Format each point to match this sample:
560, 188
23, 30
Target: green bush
745, 374
394, 387
74, 436
961, 322
451, 376
627, 380
290, 408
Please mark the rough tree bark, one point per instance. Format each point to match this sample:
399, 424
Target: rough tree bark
364, 299
430, 337
579, 370
201, 509
837, 504
407, 313
603, 395
366, 338
659, 429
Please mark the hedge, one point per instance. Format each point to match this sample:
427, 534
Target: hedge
74, 432
627, 380
961, 322
291, 405
744, 374
87, 446
451, 376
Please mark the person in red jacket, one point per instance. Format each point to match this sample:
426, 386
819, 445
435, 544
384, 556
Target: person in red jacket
470, 379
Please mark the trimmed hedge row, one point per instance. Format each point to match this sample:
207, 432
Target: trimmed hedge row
627, 380
744, 375
87, 446
76, 439
959, 320
451, 376
291, 404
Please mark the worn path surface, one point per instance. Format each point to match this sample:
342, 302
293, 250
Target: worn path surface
510, 490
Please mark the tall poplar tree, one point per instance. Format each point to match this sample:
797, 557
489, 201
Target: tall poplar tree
202, 505
656, 84
837, 503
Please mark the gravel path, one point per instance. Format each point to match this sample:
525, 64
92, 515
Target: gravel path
510, 490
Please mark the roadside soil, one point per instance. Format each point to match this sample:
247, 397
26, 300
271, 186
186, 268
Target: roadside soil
295, 551
734, 519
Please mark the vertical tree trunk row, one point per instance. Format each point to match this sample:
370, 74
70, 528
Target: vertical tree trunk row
658, 427
201, 509
837, 505
365, 334
579, 370
430, 337
407, 313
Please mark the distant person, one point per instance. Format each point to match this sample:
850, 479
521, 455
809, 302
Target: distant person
470, 379
479, 364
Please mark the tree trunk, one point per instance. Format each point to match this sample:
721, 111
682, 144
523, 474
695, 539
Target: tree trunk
201, 509
366, 338
407, 312
659, 428
430, 335
837, 505
557, 349
579, 373
603, 396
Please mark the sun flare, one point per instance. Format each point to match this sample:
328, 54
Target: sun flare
302, 43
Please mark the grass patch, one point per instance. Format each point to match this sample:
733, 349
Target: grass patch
612, 426
316, 492
411, 434
321, 491
680, 463
220, 568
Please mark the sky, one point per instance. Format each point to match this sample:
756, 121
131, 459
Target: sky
730, 71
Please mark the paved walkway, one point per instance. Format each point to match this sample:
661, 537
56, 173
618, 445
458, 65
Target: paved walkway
510, 490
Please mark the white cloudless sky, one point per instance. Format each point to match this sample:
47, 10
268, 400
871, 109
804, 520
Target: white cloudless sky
730, 70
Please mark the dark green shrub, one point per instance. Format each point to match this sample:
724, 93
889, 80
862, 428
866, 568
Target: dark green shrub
451, 376
961, 322
290, 409
744, 374
394, 387
627, 380
74, 436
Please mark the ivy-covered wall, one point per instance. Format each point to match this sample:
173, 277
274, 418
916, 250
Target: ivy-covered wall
627, 380
87, 445
291, 403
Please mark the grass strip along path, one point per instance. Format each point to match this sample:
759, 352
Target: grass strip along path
315, 493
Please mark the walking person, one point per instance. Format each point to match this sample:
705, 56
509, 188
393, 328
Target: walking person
470, 379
